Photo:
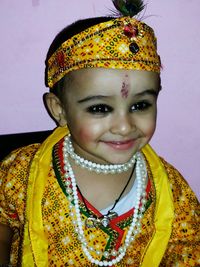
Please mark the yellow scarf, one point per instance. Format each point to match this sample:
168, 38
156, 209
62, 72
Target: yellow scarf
35, 244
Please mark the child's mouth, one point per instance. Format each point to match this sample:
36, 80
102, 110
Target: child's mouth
120, 145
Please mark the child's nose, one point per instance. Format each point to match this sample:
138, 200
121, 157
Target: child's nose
123, 125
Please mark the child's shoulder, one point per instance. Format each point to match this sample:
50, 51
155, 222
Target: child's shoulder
185, 228
14, 175
18, 160
182, 193
174, 175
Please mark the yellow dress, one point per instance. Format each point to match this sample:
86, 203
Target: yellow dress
33, 203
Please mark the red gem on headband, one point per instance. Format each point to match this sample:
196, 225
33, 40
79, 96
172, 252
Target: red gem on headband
61, 59
130, 30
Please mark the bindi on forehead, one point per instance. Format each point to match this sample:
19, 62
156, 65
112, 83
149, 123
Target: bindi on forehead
125, 87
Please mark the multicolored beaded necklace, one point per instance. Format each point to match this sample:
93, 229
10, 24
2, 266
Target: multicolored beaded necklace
71, 189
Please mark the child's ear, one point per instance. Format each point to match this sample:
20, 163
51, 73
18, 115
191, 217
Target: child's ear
55, 108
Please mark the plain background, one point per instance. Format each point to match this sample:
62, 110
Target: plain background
27, 28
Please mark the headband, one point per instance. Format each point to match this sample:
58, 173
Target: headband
121, 43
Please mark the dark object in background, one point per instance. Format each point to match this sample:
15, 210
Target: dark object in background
9, 142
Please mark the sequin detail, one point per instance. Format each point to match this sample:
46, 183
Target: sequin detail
107, 45
64, 250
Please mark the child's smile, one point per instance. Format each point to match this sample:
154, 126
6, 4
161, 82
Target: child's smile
108, 124
121, 145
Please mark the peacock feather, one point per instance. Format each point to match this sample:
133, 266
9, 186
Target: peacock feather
128, 7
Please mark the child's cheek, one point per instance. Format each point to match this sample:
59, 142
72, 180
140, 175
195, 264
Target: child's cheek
90, 132
85, 135
151, 130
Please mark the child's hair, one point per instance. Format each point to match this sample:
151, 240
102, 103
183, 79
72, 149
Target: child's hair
64, 35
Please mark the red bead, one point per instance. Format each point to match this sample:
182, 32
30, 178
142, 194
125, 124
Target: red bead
61, 59
130, 31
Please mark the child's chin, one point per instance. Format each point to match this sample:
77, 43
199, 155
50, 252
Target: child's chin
119, 161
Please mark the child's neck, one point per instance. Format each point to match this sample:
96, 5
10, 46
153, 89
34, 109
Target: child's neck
101, 190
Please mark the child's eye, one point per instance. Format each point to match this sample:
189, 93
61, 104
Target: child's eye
141, 106
99, 109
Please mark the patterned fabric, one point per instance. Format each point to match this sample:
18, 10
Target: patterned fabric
184, 244
122, 43
63, 247
14, 172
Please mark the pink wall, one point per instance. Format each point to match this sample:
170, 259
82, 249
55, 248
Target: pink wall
27, 28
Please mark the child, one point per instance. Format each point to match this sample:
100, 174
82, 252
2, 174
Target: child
95, 193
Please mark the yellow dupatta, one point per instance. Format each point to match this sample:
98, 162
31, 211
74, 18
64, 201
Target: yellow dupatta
164, 211
35, 244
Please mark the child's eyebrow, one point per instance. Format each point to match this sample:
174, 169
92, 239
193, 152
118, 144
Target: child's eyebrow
148, 92
90, 98
100, 97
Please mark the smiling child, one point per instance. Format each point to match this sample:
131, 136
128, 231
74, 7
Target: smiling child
95, 193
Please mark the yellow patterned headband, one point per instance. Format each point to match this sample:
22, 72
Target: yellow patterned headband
121, 43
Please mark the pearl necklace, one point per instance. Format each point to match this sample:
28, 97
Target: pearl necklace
92, 166
134, 228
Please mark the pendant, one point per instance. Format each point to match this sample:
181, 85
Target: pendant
112, 215
105, 221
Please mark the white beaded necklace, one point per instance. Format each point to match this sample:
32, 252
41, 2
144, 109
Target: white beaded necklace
92, 166
134, 228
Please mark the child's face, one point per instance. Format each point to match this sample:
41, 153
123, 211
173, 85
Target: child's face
111, 113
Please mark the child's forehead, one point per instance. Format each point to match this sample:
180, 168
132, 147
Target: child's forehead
97, 80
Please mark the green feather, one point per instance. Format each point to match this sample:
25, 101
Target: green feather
128, 7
